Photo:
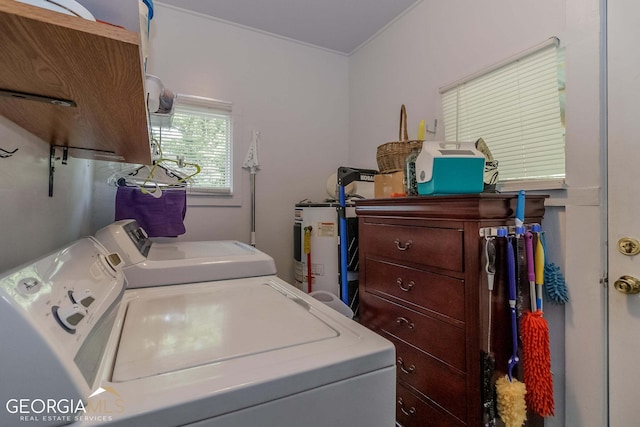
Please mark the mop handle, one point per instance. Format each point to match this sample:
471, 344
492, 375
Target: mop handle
531, 269
511, 270
540, 262
511, 273
342, 230
519, 220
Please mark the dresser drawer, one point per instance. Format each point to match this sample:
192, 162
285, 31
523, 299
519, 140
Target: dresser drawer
439, 382
436, 247
442, 294
442, 340
413, 412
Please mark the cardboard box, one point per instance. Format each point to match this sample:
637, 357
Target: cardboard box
386, 184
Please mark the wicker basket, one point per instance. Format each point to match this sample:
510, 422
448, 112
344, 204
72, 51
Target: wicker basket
392, 155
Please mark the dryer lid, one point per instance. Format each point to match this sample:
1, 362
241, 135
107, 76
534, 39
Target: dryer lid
190, 262
176, 331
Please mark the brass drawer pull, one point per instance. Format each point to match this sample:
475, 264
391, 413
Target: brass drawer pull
400, 363
403, 247
401, 320
407, 288
408, 413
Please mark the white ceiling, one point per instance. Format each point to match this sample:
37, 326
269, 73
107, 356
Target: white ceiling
339, 25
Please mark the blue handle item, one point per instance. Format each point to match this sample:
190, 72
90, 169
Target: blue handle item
511, 272
520, 213
149, 4
342, 229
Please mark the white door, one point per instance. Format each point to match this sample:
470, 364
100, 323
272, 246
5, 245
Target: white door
623, 209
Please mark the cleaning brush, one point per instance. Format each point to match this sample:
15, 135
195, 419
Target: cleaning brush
511, 404
511, 393
488, 391
535, 341
554, 284
537, 365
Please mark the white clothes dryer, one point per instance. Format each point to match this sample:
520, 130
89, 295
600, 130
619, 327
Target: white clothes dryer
240, 352
150, 262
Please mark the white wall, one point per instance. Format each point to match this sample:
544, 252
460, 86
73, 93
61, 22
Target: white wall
433, 45
437, 43
34, 224
318, 110
296, 95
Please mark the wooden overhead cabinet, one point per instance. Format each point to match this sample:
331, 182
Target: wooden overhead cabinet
49, 60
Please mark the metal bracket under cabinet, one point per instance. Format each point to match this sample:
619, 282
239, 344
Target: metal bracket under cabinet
52, 160
89, 153
39, 98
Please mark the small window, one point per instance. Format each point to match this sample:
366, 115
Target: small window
201, 133
516, 107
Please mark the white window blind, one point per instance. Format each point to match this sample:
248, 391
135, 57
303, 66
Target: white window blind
515, 106
201, 134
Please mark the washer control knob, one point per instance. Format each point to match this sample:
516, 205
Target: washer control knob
84, 298
69, 315
29, 286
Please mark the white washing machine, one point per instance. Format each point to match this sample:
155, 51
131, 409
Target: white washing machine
241, 352
153, 263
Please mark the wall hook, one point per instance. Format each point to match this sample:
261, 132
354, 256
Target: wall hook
4, 153
435, 126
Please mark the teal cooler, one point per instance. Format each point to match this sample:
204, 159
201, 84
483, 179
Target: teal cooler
449, 168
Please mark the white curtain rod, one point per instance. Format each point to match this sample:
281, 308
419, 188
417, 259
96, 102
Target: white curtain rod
553, 41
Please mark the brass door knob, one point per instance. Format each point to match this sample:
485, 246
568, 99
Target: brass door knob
627, 285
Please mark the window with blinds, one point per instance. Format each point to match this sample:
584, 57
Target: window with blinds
201, 133
516, 107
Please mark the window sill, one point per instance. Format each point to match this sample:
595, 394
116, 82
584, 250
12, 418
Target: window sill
211, 198
531, 185
559, 193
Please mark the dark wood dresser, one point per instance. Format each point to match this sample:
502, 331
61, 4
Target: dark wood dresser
424, 287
